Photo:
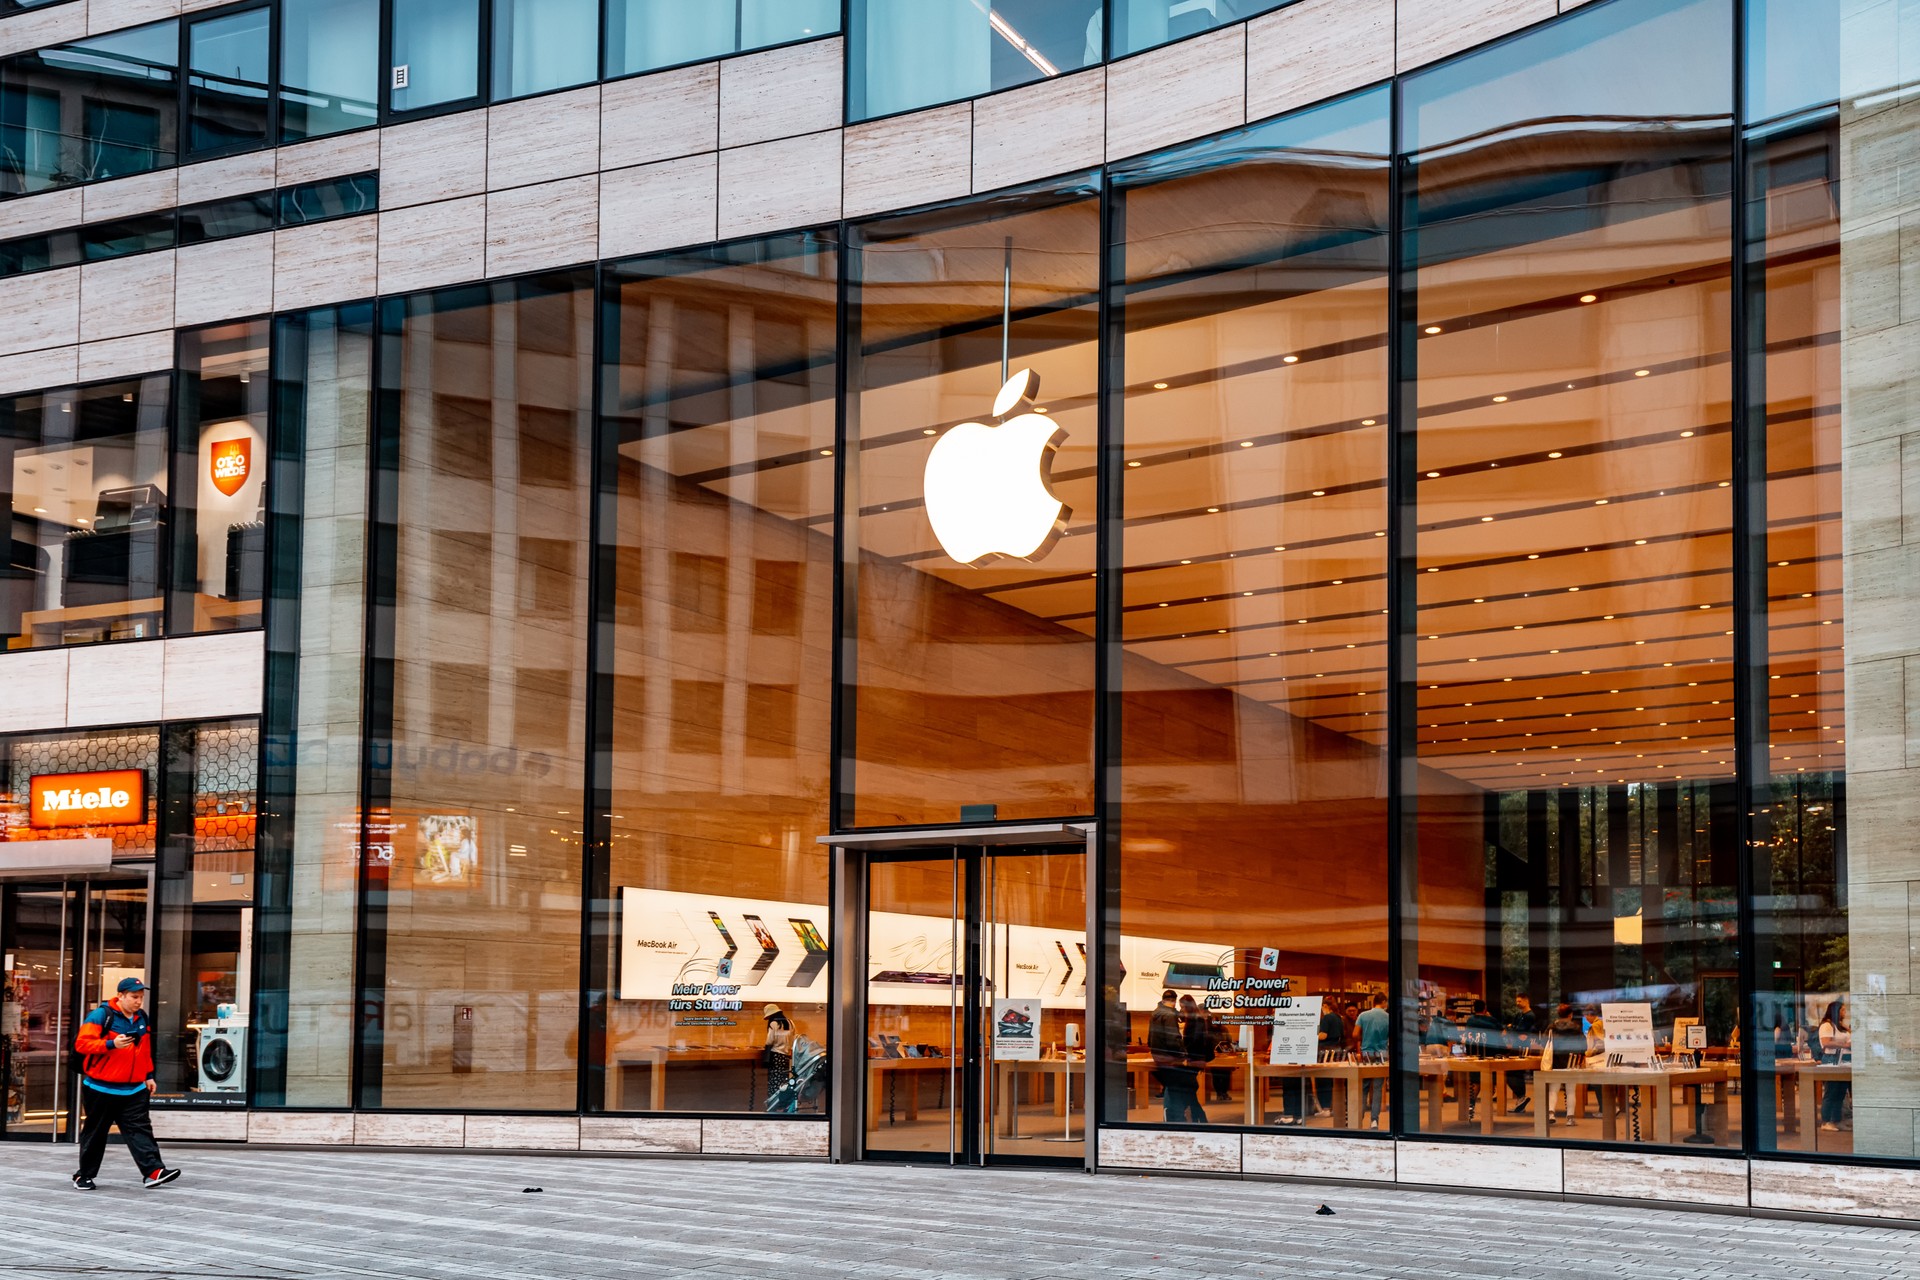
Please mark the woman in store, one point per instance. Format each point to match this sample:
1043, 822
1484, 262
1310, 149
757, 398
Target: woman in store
1836, 1045
779, 1047
1569, 1042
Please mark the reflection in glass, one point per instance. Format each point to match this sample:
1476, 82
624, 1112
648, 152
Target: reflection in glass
227, 81
86, 476
1569, 530
219, 481
310, 838
643, 35
715, 676
972, 683
1252, 657
915, 53
437, 43
1143, 24
543, 44
329, 66
474, 842
97, 108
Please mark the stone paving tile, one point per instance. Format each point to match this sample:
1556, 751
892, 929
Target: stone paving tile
264, 1215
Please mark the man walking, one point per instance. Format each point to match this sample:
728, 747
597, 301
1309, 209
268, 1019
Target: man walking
118, 1075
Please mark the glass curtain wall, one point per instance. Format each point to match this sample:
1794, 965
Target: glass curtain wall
219, 509
97, 108
86, 476
329, 66
904, 54
1569, 430
544, 44
643, 35
715, 678
436, 44
970, 511
1143, 24
1249, 853
311, 841
228, 81
475, 825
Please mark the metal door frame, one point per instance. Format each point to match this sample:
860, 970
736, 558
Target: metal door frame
853, 854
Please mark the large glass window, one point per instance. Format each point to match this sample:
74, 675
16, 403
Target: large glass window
971, 507
716, 676
83, 759
544, 44
310, 830
645, 34
219, 510
474, 839
436, 53
86, 475
203, 897
1142, 24
227, 81
97, 108
329, 66
1573, 834
904, 54
1251, 660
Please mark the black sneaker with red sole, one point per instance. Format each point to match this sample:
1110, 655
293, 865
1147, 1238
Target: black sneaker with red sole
160, 1178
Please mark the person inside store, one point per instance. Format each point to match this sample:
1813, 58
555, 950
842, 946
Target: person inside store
779, 1050
1332, 1037
1201, 1042
116, 1052
1836, 1046
1372, 1026
1482, 1034
1523, 1037
1166, 1042
1569, 1042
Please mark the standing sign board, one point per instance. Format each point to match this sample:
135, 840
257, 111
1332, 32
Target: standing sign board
1629, 1033
1016, 1030
1296, 1031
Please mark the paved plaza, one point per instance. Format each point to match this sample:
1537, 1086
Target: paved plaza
262, 1215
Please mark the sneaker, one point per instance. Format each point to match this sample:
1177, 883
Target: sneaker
82, 1184
1520, 1108
160, 1178
1829, 1128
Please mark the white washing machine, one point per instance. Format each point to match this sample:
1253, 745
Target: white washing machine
223, 1055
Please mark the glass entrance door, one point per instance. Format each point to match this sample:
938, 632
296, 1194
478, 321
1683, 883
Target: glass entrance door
976, 1006
63, 948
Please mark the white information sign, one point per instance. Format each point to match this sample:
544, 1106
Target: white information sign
1296, 1031
1629, 1032
1016, 1030
1696, 1037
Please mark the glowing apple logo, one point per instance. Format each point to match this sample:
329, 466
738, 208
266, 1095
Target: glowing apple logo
989, 489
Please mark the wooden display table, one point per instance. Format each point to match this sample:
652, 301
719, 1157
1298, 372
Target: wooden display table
1435, 1072
657, 1059
1348, 1096
1800, 1107
1006, 1100
1655, 1088
883, 1074
1140, 1069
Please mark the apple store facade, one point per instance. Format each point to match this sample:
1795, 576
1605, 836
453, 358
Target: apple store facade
1372, 638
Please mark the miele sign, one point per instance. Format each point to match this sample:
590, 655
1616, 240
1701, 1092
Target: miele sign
115, 797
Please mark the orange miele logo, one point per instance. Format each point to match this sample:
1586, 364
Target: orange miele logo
113, 797
232, 459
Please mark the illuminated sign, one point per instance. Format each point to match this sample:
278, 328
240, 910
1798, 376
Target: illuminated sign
115, 797
989, 489
232, 460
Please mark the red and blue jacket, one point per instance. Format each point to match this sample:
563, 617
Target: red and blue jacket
107, 1068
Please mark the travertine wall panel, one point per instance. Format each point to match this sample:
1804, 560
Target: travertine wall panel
223, 279
38, 28
124, 357
658, 117
433, 159
1182, 91
908, 160
335, 157
124, 296
123, 197
326, 262
555, 224
1428, 30
659, 206
775, 185
1039, 130
1316, 49
556, 135
231, 176
433, 244
780, 93
40, 311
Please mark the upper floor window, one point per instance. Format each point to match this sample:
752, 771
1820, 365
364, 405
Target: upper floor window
329, 66
1143, 24
645, 34
227, 85
93, 109
905, 54
436, 52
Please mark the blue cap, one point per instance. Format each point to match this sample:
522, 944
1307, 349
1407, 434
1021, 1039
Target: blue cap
131, 984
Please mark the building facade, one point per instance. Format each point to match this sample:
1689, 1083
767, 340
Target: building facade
1319, 589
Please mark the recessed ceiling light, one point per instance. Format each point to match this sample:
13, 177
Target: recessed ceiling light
1433, 475
1641, 373
1133, 464
1433, 328
1686, 435
1246, 444
1367, 422
930, 431
1159, 386
826, 453
1319, 493
1289, 359
1499, 399
1588, 297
